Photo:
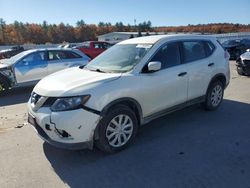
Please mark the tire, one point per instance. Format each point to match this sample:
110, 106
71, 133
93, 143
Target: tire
4, 86
240, 71
117, 129
214, 95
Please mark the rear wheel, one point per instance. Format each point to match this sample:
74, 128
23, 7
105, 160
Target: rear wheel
214, 95
117, 129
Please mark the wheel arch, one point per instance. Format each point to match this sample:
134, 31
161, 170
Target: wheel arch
221, 77
6, 79
127, 101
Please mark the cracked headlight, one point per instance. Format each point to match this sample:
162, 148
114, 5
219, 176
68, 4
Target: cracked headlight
69, 103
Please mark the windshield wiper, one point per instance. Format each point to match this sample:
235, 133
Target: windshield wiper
96, 70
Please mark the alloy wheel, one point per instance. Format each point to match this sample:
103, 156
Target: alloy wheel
119, 130
216, 95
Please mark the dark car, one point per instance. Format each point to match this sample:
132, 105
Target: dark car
8, 53
243, 64
236, 47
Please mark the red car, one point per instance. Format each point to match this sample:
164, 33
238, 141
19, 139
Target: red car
93, 48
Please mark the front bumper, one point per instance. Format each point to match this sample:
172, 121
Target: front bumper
69, 129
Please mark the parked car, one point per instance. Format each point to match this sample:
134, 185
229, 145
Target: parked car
243, 64
236, 47
7, 53
67, 45
130, 84
93, 48
27, 67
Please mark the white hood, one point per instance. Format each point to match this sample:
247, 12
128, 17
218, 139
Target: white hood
2, 64
72, 82
246, 56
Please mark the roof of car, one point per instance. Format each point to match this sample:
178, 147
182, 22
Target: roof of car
46, 49
153, 39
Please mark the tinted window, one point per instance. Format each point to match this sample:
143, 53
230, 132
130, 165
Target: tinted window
168, 55
99, 46
193, 50
209, 47
246, 41
86, 45
35, 58
72, 55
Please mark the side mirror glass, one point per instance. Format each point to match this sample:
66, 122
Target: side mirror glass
154, 66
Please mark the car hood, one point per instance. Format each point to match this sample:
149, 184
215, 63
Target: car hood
72, 82
245, 56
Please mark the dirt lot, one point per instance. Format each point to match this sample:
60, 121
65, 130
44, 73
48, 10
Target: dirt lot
189, 148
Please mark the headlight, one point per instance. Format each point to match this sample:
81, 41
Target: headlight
69, 103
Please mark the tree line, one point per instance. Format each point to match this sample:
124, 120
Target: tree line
23, 33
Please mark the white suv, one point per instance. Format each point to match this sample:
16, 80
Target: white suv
132, 83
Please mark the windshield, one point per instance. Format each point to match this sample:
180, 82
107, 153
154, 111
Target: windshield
119, 58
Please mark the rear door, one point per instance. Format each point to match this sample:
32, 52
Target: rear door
197, 55
32, 67
62, 59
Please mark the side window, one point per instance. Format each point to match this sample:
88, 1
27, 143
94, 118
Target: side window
86, 45
36, 58
209, 47
193, 50
97, 46
72, 55
168, 55
57, 55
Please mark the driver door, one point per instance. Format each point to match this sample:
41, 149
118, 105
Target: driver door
32, 67
167, 87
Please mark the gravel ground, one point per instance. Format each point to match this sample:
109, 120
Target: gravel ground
188, 148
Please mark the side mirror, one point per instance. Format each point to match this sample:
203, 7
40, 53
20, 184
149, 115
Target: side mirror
154, 66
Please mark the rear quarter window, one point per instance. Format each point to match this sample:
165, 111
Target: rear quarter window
209, 48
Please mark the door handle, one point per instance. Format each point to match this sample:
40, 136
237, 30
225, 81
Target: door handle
182, 74
210, 64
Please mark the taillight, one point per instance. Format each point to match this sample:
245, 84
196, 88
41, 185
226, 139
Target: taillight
226, 55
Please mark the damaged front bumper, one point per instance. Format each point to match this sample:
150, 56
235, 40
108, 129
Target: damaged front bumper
69, 130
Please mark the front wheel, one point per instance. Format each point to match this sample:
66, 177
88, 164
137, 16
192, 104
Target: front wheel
214, 95
117, 129
3, 87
